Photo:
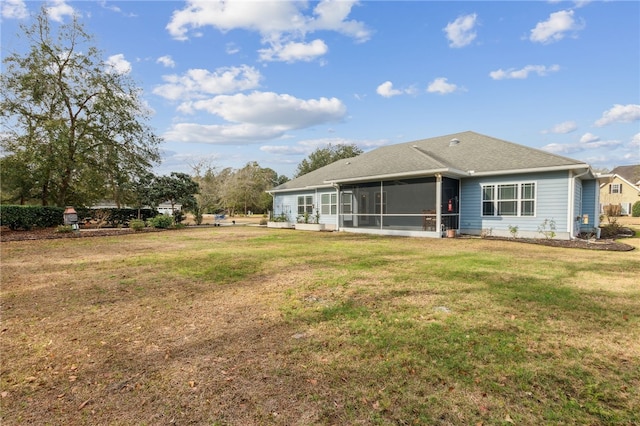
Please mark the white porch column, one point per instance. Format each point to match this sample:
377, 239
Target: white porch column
439, 204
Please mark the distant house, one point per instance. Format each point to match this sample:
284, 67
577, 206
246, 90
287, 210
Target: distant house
163, 208
467, 182
620, 190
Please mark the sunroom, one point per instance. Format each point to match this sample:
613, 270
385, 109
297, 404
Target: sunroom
419, 205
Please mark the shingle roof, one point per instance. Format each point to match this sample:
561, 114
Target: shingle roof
630, 173
456, 155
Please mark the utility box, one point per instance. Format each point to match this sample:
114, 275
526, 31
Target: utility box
70, 217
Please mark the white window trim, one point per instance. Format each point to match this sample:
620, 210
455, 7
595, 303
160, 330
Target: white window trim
306, 205
332, 205
518, 199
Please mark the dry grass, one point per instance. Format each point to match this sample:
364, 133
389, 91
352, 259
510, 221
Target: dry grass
241, 325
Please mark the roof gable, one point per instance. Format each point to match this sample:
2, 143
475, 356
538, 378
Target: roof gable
629, 173
461, 154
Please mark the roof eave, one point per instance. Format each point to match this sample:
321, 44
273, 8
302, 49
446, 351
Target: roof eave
531, 170
301, 188
417, 173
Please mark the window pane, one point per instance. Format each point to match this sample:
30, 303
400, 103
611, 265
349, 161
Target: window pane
325, 198
333, 209
528, 191
527, 208
507, 192
334, 198
309, 199
507, 208
324, 209
487, 208
487, 193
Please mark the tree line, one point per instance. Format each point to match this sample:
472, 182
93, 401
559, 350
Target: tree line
76, 132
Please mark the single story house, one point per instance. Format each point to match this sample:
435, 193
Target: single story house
466, 182
620, 190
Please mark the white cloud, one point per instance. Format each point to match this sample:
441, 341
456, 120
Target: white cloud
461, 31
281, 24
117, 64
167, 61
272, 109
386, 90
307, 146
14, 9
619, 114
292, 52
522, 73
572, 148
562, 128
232, 48
199, 83
589, 138
441, 86
256, 117
635, 141
221, 134
59, 9
555, 28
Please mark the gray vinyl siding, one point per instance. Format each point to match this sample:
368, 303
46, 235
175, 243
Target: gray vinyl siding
552, 190
286, 203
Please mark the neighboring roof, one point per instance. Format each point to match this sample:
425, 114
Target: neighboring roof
629, 173
459, 154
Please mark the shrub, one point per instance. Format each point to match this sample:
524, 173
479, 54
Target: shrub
64, 229
611, 230
136, 224
635, 210
161, 221
548, 228
27, 217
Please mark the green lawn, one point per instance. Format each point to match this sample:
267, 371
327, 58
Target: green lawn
254, 326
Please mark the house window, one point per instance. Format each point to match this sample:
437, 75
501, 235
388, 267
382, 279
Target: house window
615, 188
305, 204
328, 204
513, 199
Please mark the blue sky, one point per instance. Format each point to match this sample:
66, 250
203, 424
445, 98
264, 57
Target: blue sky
237, 81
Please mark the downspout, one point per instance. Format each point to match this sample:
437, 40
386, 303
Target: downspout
439, 204
572, 205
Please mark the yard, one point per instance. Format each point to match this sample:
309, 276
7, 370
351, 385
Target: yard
251, 326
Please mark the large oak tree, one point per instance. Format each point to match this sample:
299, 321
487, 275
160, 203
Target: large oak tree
77, 127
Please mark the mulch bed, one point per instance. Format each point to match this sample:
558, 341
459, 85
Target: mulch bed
50, 233
602, 244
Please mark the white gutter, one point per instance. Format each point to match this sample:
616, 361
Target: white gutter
418, 173
303, 188
532, 170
